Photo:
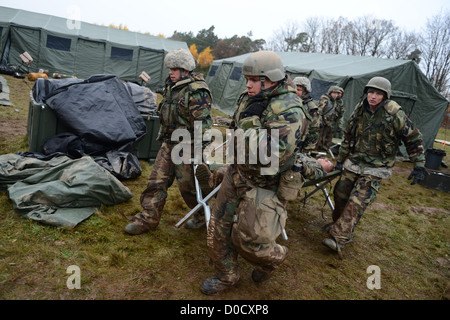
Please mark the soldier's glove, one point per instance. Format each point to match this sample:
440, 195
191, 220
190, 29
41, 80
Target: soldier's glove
255, 109
418, 174
339, 166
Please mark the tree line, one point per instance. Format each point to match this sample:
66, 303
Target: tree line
362, 36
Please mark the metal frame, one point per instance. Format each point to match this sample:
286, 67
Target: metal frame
203, 202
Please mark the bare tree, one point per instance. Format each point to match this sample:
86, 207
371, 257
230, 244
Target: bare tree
325, 41
363, 34
384, 29
401, 45
283, 39
366, 36
312, 27
333, 35
436, 51
290, 39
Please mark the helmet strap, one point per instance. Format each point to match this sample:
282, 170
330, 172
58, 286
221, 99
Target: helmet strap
263, 81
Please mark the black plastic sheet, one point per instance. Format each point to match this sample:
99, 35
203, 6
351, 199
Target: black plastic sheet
102, 119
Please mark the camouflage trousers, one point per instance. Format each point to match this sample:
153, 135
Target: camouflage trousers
353, 193
163, 174
224, 239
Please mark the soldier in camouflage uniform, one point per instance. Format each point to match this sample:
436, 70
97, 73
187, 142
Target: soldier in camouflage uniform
248, 216
331, 117
367, 154
339, 126
303, 87
186, 99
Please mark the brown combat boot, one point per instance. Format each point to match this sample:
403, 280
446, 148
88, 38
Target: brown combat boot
261, 274
140, 225
136, 228
197, 222
214, 285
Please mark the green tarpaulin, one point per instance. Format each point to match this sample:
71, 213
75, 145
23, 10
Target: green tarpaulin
61, 191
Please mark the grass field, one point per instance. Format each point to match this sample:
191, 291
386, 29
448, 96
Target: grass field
405, 233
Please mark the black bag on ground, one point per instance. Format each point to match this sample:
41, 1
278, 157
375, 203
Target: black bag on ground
67, 143
123, 165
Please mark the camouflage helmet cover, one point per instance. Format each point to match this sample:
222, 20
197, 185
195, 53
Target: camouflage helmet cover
335, 89
179, 59
304, 82
264, 64
379, 83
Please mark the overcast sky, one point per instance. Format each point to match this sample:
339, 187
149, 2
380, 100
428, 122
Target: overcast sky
231, 17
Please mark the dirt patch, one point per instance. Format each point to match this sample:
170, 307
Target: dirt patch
402, 170
13, 128
428, 211
384, 206
445, 262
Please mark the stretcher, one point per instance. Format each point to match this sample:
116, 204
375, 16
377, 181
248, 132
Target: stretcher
320, 184
201, 202
334, 148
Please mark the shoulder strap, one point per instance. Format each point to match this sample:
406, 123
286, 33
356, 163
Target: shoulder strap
391, 107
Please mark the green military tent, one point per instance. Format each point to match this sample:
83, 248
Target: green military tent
81, 49
411, 89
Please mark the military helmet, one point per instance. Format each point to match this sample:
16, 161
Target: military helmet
381, 84
264, 64
335, 89
179, 59
304, 82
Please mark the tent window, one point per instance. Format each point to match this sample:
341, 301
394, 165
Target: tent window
236, 73
58, 43
121, 54
212, 71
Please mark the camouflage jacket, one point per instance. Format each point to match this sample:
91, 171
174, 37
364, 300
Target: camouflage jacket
331, 111
284, 112
184, 102
339, 125
312, 169
313, 123
372, 140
